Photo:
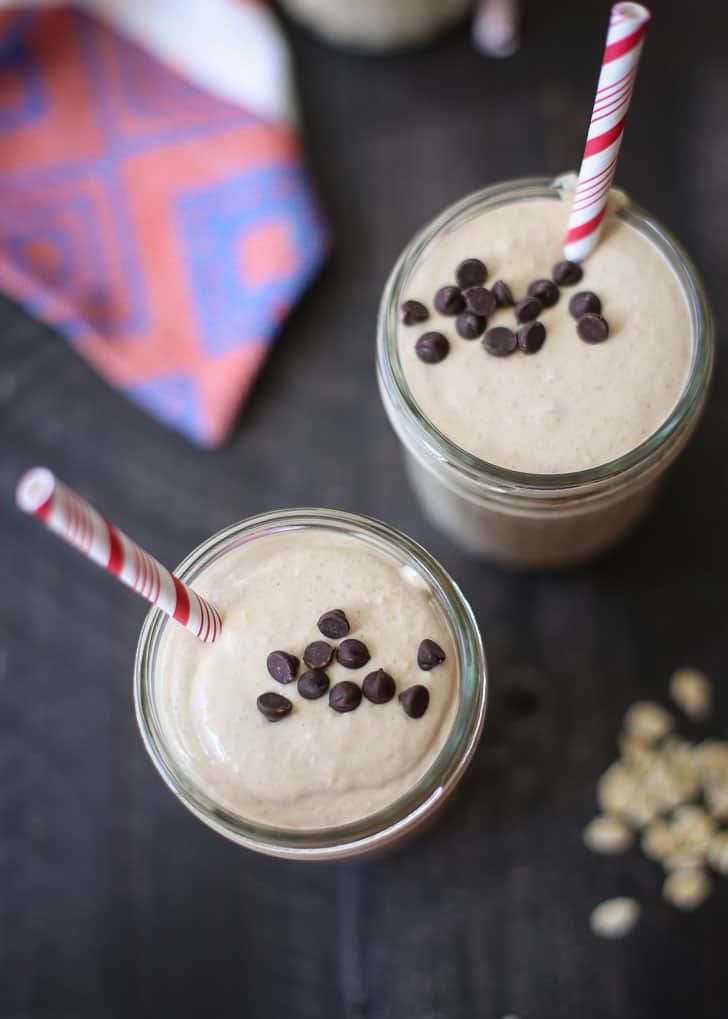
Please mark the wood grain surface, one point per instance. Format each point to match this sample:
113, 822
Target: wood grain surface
114, 901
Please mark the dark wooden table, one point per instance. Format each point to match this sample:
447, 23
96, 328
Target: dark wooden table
115, 900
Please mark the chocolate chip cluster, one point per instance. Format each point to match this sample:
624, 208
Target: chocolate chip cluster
586, 308
378, 686
471, 304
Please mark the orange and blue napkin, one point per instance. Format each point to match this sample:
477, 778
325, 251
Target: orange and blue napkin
154, 205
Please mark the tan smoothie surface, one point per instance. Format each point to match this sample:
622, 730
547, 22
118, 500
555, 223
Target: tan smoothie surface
572, 405
313, 768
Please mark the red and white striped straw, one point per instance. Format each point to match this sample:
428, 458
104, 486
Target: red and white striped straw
627, 25
42, 495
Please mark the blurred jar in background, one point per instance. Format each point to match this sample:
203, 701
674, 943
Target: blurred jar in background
378, 24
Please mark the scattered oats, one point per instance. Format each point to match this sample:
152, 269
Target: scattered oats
619, 792
680, 754
640, 813
683, 860
677, 755
648, 722
716, 796
614, 918
666, 786
717, 853
686, 889
691, 691
636, 755
606, 834
681, 841
616, 788
675, 791
658, 841
711, 759
694, 828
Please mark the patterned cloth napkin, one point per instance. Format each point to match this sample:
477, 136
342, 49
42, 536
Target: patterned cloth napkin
153, 203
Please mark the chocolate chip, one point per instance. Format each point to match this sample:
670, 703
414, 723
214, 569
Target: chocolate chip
334, 624
528, 309
378, 687
471, 273
566, 274
592, 328
468, 325
480, 301
546, 291
530, 339
344, 697
414, 700
318, 654
449, 301
274, 706
500, 341
282, 666
429, 654
502, 294
313, 684
432, 348
413, 312
583, 303
352, 653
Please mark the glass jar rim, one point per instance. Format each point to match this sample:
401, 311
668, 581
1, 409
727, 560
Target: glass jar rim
505, 481
402, 814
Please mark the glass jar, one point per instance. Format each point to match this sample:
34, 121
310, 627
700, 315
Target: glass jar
378, 24
536, 520
432, 789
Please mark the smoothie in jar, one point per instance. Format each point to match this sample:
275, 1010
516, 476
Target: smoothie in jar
539, 401
378, 25
344, 694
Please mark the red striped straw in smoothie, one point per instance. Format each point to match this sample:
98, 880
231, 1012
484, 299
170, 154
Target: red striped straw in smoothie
42, 495
627, 26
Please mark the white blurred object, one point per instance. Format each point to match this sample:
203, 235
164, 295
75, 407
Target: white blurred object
377, 25
495, 29
614, 918
233, 48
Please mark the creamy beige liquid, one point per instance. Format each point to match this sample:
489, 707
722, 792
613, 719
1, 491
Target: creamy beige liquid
315, 767
572, 405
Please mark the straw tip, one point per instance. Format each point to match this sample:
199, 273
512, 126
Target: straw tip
34, 489
495, 29
637, 13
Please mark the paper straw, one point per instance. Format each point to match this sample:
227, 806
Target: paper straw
627, 25
43, 496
